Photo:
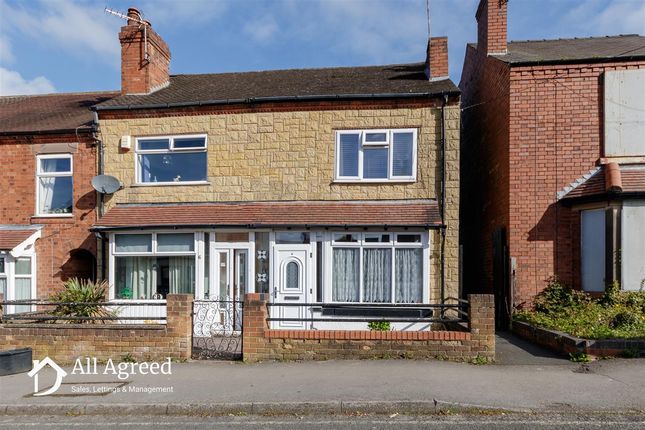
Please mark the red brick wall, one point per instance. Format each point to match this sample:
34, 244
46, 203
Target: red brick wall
518, 152
64, 343
556, 136
484, 166
492, 26
139, 76
62, 238
437, 57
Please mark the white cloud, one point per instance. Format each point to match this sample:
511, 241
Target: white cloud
6, 55
261, 29
12, 83
63, 25
596, 17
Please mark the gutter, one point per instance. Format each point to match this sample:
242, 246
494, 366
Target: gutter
570, 61
442, 208
101, 197
99, 228
87, 129
252, 100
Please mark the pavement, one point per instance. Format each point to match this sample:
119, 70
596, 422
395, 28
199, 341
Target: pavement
525, 378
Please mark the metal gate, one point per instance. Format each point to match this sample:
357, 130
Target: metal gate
217, 329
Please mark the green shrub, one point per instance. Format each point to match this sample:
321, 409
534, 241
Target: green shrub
579, 357
81, 297
557, 297
623, 319
618, 314
379, 325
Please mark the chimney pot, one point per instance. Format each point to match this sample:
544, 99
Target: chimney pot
134, 13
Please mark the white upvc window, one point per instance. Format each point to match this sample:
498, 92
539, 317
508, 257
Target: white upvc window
171, 160
382, 155
54, 185
385, 267
149, 266
17, 280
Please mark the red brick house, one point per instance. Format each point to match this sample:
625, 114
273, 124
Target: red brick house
553, 162
47, 204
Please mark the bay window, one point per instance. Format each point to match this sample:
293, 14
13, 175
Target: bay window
171, 160
376, 155
152, 265
3, 278
377, 268
55, 192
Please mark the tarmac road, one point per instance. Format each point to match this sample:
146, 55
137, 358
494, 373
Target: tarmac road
364, 422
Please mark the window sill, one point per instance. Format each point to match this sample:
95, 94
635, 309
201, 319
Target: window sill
374, 181
53, 216
171, 184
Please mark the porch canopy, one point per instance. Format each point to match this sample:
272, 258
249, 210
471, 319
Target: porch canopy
270, 214
607, 181
14, 239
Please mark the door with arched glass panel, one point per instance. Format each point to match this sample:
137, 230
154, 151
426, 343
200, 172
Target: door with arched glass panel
291, 285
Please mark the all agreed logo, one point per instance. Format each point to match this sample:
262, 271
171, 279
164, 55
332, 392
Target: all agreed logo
90, 366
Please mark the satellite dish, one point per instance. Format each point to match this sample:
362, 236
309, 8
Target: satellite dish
106, 184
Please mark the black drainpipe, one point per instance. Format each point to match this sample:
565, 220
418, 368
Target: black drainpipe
443, 201
101, 197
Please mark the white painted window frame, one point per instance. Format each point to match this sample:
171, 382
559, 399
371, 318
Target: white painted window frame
329, 244
199, 253
41, 174
389, 144
10, 275
171, 150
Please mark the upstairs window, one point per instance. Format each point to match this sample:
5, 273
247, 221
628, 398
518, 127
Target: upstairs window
55, 193
171, 160
376, 155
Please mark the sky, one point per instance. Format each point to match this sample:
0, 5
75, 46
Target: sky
72, 45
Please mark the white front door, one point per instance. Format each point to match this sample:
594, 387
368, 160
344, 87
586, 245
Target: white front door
291, 282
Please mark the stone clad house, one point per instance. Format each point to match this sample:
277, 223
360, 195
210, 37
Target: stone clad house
47, 205
325, 186
553, 162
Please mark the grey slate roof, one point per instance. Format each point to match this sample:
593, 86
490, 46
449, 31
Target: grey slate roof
48, 112
631, 46
296, 84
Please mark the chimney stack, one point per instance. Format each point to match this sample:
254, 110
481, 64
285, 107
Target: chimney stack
437, 58
491, 26
145, 57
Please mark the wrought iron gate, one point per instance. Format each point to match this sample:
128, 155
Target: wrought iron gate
217, 329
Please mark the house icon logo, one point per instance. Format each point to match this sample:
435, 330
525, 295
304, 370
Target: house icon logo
40, 365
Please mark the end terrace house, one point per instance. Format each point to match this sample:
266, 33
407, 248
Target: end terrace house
47, 205
553, 162
325, 186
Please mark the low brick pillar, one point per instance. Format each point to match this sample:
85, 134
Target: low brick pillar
254, 326
481, 323
179, 321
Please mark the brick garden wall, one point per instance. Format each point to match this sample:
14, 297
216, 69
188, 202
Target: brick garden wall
66, 248
261, 343
65, 342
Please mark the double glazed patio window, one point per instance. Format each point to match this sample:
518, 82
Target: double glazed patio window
377, 268
55, 192
376, 155
171, 160
150, 266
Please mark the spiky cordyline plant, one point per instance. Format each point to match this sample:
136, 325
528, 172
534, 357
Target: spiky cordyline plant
82, 297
